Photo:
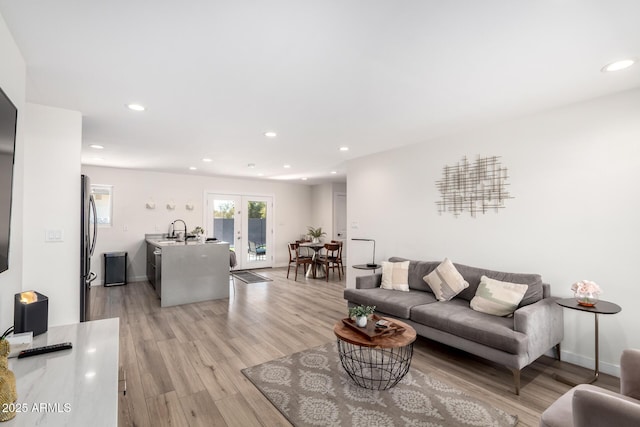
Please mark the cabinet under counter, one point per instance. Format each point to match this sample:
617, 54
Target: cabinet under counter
190, 272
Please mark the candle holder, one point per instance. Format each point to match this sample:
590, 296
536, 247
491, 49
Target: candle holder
30, 313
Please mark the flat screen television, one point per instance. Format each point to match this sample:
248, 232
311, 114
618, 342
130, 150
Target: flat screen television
8, 120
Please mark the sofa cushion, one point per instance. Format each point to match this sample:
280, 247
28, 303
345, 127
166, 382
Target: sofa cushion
473, 275
395, 276
417, 270
456, 318
445, 281
396, 304
497, 298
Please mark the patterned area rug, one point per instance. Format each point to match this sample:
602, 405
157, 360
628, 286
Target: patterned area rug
311, 388
250, 277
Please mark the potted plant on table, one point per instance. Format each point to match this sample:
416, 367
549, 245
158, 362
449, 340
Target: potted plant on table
315, 233
586, 292
361, 314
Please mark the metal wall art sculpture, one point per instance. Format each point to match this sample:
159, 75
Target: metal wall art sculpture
473, 187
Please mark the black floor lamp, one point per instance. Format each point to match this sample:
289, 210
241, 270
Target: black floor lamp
373, 260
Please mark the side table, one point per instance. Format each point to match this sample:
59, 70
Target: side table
602, 307
379, 363
373, 267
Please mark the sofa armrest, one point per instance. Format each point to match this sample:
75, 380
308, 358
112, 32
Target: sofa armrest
369, 281
630, 373
591, 408
542, 323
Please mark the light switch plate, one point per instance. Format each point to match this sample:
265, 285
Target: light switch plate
54, 235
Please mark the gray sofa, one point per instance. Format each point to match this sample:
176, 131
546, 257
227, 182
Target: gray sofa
515, 342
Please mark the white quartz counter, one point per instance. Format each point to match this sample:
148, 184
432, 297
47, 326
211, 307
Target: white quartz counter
77, 387
164, 242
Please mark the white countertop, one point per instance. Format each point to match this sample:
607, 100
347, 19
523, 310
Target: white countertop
163, 242
77, 387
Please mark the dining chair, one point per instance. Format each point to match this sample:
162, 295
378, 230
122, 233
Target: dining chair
233, 262
330, 259
296, 258
305, 251
339, 260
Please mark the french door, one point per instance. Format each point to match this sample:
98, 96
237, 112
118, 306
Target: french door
246, 223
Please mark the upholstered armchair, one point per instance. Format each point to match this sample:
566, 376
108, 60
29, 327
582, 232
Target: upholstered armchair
590, 406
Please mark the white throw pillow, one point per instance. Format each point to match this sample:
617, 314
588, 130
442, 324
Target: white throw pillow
395, 276
496, 297
445, 281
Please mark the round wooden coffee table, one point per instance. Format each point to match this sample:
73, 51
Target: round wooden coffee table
378, 363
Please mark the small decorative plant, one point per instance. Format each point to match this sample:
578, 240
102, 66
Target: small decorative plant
586, 292
360, 313
316, 233
197, 230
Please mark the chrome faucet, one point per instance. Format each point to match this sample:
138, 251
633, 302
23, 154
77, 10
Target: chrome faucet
173, 224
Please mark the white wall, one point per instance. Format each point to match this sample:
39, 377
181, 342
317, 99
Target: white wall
131, 220
53, 139
13, 83
574, 173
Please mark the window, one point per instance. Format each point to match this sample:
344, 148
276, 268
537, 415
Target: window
103, 195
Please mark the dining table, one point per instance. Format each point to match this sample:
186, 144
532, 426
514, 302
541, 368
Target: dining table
315, 270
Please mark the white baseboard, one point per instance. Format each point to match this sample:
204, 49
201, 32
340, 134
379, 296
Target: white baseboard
129, 280
590, 363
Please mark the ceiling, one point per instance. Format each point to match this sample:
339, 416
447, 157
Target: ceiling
369, 75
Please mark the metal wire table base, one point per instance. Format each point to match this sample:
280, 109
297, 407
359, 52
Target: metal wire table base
375, 368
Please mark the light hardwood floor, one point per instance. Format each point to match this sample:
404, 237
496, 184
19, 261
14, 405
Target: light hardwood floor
183, 363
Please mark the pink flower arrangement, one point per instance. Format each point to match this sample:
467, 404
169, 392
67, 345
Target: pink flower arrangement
586, 287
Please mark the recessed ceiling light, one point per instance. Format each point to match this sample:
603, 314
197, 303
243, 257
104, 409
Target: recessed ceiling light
135, 107
251, 165
206, 159
287, 166
344, 148
193, 168
260, 174
618, 65
96, 146
304, 179
334, 172
270, 134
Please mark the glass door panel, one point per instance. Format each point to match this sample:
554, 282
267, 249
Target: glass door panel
223, 225
258, 231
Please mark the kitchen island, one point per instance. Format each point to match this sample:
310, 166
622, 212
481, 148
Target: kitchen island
186, 272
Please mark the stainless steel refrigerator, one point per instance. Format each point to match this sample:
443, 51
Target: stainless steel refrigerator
88, 236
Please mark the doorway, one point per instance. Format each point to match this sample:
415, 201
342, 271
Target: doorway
246, 223
340, 221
